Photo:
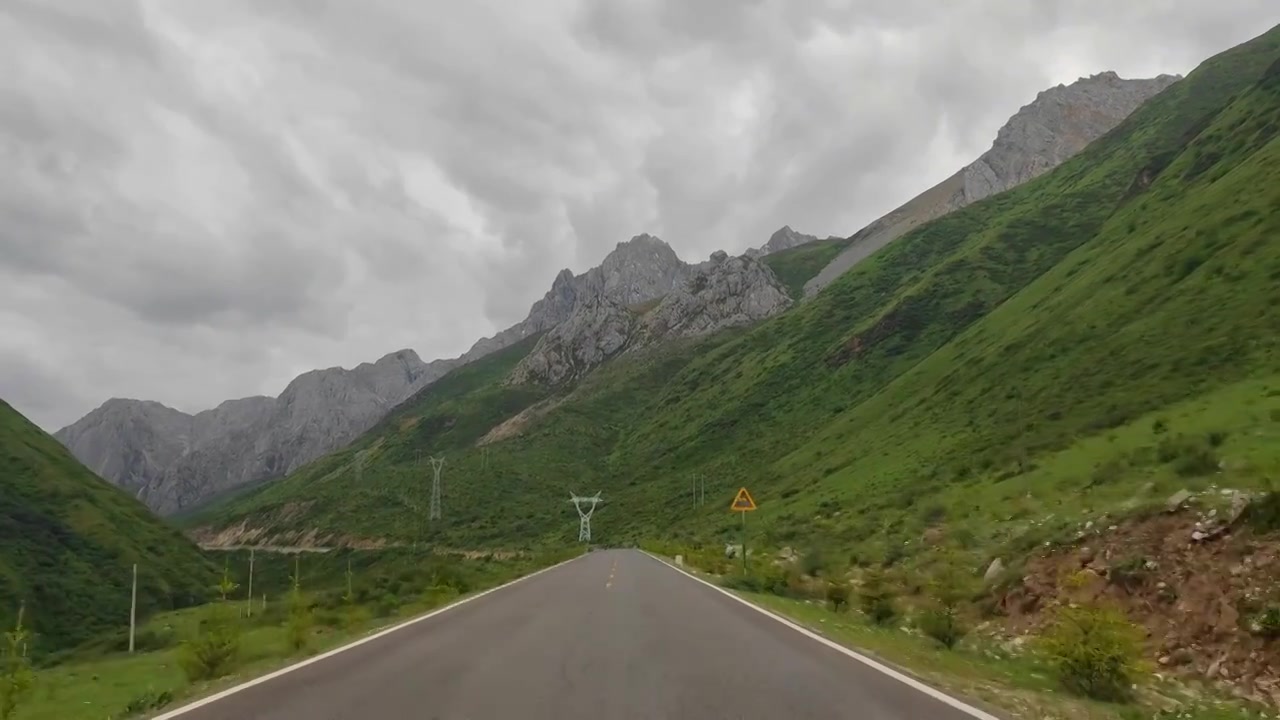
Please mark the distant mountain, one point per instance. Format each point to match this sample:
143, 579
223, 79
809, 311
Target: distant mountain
1059, 123
173, 461
784, 239
68, 541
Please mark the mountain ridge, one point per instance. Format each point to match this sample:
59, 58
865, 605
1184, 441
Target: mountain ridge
322, 410
1057, 124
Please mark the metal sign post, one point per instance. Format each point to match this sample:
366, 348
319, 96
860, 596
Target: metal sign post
743, 504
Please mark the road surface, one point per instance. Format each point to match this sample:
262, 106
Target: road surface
614, 634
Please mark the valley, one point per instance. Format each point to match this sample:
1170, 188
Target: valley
1046, 404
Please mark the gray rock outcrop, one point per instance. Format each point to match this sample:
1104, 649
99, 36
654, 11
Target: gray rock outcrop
732, 292
637, 271
1043, 134
597, 330
720, 293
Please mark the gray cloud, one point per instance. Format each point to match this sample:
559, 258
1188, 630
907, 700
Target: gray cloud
201, 200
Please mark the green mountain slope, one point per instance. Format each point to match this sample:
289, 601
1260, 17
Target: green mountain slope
976, 373
68, 541
796, 266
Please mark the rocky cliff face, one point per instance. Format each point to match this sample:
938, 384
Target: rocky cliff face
597, 330
172, 460
732, 292
720, 293
1059, 123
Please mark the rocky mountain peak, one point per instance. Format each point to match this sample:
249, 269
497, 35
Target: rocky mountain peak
784, 238
1060, 122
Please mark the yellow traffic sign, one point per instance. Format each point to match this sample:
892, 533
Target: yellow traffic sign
743, 502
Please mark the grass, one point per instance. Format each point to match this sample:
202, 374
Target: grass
993, 375
99, 681
68, 541
1016, 681
796, 266
979, 669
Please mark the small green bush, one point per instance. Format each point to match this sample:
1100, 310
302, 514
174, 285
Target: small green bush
948, 591
215, 650
876, 599
1267, 623
1264, 514
298, 626
838, 596
1095, 652
16, 677
942, 624
148, 701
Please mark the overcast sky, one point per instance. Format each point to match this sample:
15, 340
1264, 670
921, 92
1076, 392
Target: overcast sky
201, 199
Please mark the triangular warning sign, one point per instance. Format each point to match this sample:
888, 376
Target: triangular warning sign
743, 502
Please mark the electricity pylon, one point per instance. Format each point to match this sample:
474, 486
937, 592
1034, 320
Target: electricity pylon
584, 516
437, 464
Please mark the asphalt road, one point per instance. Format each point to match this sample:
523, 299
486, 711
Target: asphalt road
615, 634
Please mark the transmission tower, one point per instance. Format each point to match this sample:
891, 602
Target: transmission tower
584, 515
437, 464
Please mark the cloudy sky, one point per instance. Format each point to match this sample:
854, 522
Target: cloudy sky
201, 199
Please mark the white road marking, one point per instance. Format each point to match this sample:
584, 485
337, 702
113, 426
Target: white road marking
905, 679
271, 676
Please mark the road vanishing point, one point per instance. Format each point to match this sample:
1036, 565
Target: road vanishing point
610, 634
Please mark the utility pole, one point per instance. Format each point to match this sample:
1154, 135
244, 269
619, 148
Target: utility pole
133, 609
250, 613
584, 515
437, 464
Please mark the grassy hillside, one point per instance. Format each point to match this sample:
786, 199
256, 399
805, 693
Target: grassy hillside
796, 266
68, 541
979, 375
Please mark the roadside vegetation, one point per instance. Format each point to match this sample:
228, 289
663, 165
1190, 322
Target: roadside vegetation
302, 604
1085, 663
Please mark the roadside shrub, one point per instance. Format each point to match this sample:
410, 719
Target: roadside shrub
298, 627
1264, 514
1095, 652
215, 649
943, 619
876, 598
1267, 624
942, 624
16, 677
1190, 457
838, 596
814, 562
147, 701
